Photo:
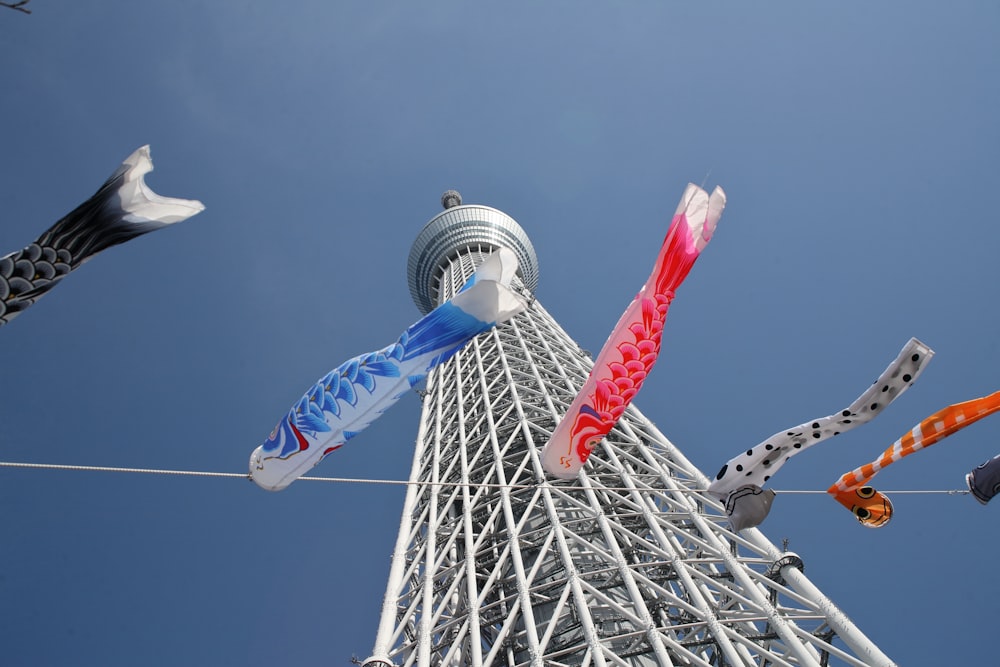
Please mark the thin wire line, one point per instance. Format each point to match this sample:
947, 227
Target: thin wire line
396, 482
952, 492
57, 466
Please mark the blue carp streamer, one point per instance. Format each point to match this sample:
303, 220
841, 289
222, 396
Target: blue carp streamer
350, 397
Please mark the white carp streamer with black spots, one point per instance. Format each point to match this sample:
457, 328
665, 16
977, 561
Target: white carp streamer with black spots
122, 209
756, 466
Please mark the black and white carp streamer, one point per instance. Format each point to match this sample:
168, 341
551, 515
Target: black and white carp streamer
122, 209
755, 466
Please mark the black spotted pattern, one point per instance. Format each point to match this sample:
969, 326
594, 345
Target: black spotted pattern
757, 465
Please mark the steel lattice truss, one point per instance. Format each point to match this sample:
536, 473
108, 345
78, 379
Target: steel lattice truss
498, 564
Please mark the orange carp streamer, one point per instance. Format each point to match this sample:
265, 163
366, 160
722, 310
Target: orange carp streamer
873, 508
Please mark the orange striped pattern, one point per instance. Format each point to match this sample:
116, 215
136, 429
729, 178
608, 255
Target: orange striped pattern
852, 490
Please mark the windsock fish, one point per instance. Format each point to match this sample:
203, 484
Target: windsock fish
634, 344
873, 508
353, 395
122, 209
756, 466
984, 480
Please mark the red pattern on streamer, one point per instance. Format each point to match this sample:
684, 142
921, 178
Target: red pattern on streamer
633, 347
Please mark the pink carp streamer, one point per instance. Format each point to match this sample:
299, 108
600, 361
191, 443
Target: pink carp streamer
871, 507
633, 346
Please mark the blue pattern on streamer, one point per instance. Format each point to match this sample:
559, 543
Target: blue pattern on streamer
445, 326
283, 437
446, 329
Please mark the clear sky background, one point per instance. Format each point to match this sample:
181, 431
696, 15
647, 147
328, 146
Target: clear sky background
858, 144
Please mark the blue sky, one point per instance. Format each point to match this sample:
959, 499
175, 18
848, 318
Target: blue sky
857, 143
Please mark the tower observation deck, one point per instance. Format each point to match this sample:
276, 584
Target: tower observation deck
629, 564
455, 236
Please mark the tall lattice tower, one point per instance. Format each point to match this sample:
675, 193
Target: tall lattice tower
629, 564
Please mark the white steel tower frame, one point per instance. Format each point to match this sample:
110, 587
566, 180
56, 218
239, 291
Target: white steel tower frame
629, 564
